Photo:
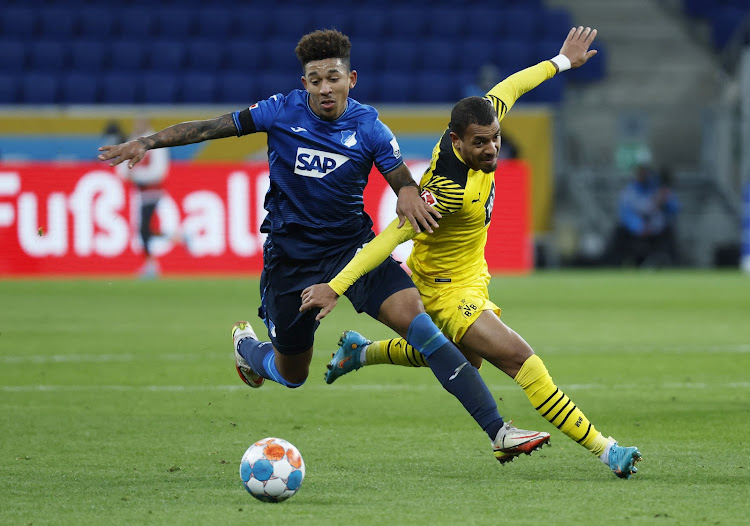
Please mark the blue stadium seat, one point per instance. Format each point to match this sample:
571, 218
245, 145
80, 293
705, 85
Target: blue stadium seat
289, 22
475, 53
136, 22
724, 23
18, 22
270, 83
395, 87
331, 17
248, 24
698, 8
40, 88
9, 88
214, 22
243, 55
369, 22
486, 20
204, 54
120, 88
159, 87
367, 55
555, 23
57, 23
408, 21
439, 55
435, 87
401, 55
128, 54
170, 56
198, 88
87, 55
174, 22
48, 55
80, 88
595, 69
514, 55
236, 88
13, 53
96, 22
547, 48
551, 91
521, 23
281, 57
448, 22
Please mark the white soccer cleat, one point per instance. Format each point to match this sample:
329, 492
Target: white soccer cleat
511, 442
240, 331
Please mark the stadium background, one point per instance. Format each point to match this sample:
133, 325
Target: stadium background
71, 67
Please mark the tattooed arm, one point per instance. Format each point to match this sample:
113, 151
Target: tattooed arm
175, 135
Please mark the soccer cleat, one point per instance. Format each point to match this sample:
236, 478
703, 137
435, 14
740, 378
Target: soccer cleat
347, 358
622, 460
511, 442
240, 331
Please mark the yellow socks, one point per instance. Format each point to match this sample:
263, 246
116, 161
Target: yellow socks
395, 351
556, 407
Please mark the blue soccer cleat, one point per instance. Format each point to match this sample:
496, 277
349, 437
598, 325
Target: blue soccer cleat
347, 358
622, 460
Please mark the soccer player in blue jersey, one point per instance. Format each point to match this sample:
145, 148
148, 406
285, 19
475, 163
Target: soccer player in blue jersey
321, 148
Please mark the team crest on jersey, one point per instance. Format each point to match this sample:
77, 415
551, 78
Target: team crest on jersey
348, 138
317, 163
428, 198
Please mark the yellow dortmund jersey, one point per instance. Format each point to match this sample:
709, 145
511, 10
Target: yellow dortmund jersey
464, 197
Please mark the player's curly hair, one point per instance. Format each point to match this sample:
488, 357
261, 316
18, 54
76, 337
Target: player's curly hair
323, 44
471, 110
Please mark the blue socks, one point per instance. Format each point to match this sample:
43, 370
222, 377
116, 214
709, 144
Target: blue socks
455, 373
260, 356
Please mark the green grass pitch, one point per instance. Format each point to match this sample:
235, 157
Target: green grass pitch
119, 404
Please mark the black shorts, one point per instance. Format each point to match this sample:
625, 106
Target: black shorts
283, 280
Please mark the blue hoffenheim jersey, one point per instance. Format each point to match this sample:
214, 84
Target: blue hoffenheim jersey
318, 171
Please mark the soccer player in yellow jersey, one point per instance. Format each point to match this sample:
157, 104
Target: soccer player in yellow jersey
460, 184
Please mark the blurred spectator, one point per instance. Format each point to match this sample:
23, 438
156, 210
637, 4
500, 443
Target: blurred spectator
645, 231
148, 177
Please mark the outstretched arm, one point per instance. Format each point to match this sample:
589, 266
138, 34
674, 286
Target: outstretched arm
325, 295
573, 54
176, 135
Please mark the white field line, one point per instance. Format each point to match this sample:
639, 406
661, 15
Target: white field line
212, 355
343, 387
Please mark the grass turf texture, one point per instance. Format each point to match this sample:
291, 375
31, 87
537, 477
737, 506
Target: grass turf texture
119, 404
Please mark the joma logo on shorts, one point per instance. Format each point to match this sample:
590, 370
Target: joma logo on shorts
315, 163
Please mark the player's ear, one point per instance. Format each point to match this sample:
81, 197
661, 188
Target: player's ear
304, 82
352, 78
456, 140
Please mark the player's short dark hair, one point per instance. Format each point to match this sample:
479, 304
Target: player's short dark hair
323, 44
471, 110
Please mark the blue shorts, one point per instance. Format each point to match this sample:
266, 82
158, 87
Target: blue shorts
283, 280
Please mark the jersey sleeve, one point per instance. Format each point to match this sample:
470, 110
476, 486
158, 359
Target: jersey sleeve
372, 255
259, 116
445, 195
508, 91
387, 152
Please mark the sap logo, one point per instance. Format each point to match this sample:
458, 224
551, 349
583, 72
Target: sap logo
314, 163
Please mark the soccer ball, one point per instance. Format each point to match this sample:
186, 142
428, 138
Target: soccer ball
272, 470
